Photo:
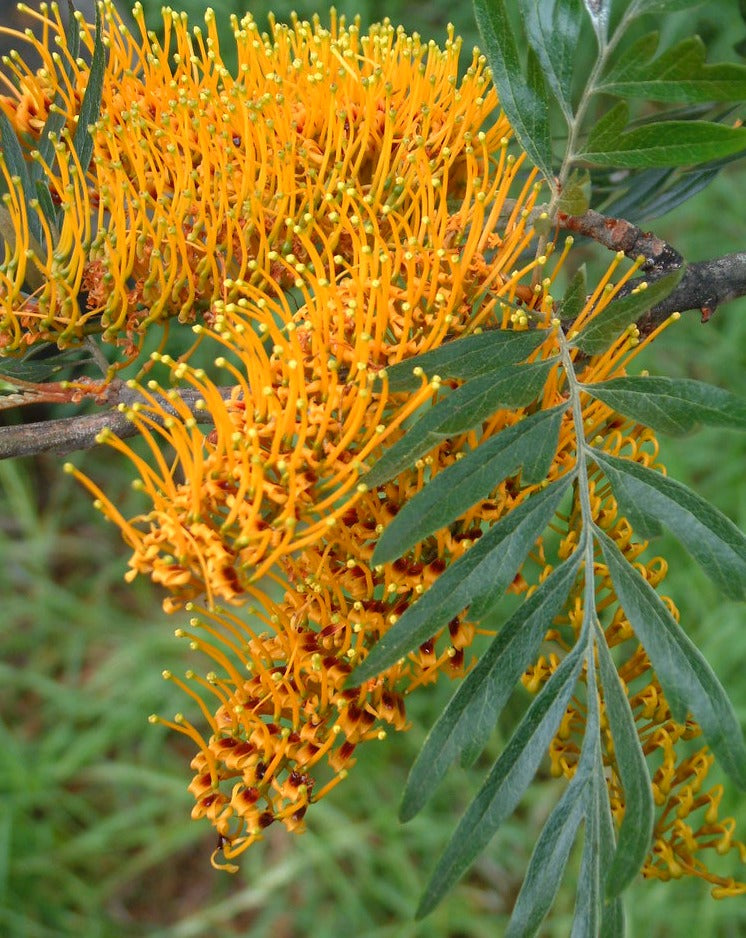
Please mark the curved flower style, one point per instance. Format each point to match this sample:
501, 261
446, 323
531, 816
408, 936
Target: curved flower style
321, 142
383, 267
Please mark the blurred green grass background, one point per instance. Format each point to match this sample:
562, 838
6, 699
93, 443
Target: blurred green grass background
95, 836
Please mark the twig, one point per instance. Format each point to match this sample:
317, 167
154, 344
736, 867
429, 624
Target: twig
616, 234
704, 286
68, 434
97, 355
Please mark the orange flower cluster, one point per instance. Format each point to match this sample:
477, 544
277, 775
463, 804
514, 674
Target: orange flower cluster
325, 272
324, 140
338, 205
293, 437
261, 761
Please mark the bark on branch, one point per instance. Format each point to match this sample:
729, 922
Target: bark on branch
704, 286
616, 234
68, 434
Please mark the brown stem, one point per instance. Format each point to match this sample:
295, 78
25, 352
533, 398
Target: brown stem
616, 234
67, 434
704, 286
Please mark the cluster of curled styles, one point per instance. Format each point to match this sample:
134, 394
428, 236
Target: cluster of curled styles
687, 823
269, 502
322, 140
410, 231
383, 230
339, 210
282, 736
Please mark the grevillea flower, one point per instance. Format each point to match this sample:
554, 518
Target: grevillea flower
338, 205
282, 737
321, 141
382, 268
309, 413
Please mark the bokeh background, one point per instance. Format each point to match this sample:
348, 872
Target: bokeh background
95, 836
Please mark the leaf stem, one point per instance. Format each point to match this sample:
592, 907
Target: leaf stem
605, 51
591, 759
583, 450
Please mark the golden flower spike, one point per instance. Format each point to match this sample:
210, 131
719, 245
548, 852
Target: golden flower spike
294, 712
344, 206
320, 141
286, 728
380, 266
